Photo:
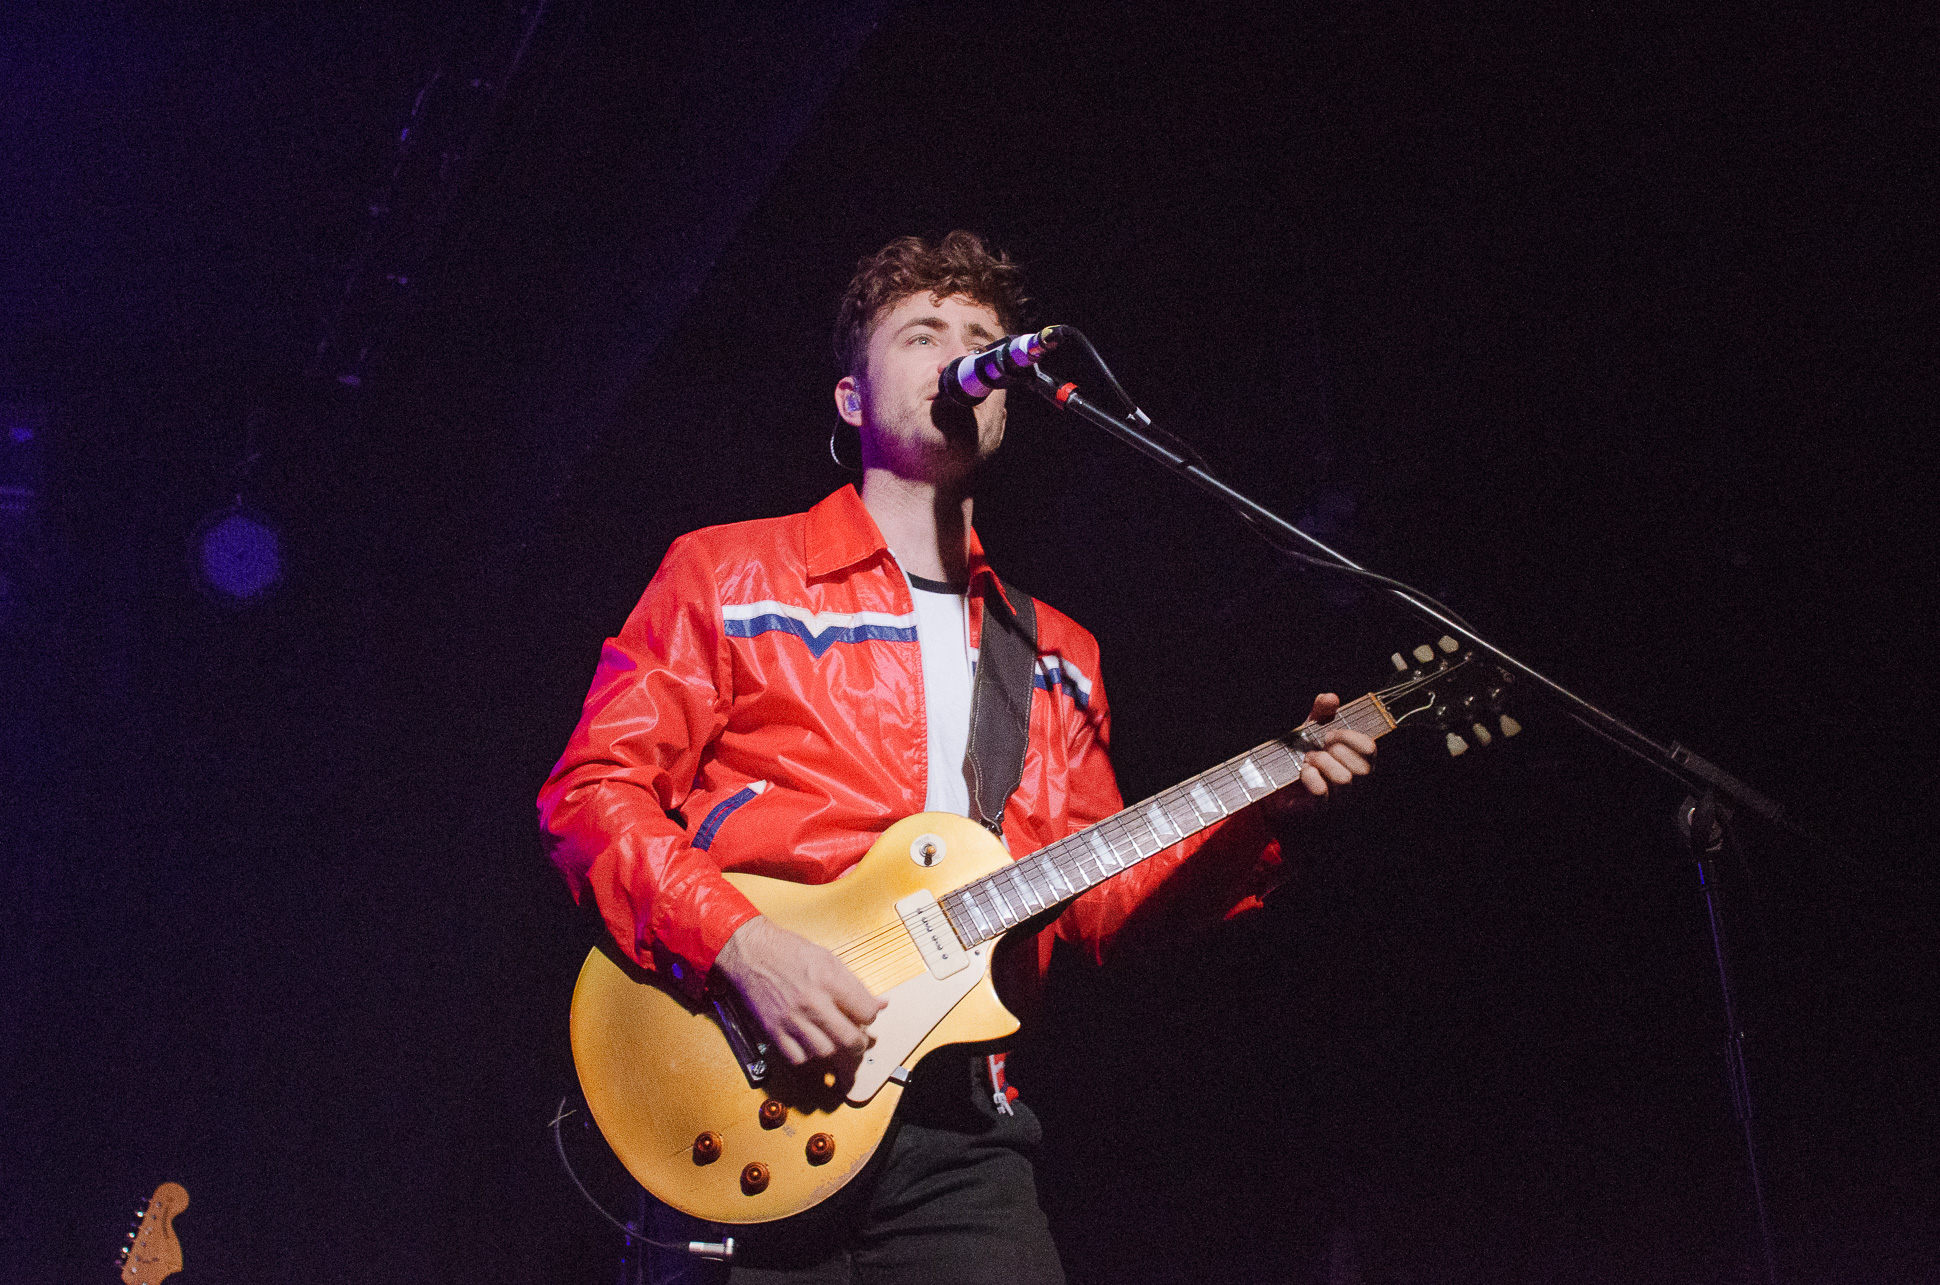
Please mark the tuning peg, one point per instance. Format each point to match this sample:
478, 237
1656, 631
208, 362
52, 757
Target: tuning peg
1448, 644
1482, 736
1424, 653
1509, 726
1456, 746
1400, 665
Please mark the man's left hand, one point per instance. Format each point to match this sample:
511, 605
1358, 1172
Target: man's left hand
1345, 757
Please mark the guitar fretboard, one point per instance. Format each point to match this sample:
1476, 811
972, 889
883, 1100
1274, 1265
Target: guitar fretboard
1054, 874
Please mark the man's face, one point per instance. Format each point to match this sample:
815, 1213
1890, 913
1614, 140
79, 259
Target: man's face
893, 402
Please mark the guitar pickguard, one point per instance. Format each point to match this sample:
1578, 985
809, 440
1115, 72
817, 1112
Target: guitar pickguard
915, 1008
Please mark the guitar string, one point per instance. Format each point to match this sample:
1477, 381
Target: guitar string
891, 943
884, 980
893, 968
862, 946
1034, 873
1125, 829
886, 945
1131, 827
889, 954
1035, 878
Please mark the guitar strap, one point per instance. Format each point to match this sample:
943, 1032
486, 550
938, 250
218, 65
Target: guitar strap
1000, 702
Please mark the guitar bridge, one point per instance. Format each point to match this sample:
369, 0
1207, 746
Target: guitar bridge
743, 1035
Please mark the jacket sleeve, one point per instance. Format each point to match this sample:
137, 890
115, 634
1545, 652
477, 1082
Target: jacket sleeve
661, 694
1172, 895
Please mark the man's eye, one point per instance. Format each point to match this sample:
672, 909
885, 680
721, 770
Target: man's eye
921, 339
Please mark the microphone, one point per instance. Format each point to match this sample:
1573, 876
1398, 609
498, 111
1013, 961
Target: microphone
968, 380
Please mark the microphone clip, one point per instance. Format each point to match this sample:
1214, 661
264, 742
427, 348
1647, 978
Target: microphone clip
968, 380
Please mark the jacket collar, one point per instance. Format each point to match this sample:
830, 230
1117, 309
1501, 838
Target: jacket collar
841, 533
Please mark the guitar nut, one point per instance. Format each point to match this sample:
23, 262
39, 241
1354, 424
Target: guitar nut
707, 1148
821, 1149
774, 1113
754, 1178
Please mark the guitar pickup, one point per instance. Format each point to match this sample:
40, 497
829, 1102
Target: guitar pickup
943, 954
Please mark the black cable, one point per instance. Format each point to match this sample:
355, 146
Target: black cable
1189, 453
725, 1250
1184, 449
559, 1144
1360, 573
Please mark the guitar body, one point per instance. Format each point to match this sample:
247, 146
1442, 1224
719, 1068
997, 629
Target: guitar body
660, 1075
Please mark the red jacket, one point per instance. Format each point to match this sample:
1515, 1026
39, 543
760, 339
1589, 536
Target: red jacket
762, 710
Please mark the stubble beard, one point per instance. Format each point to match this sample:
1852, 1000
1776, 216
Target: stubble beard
942, 445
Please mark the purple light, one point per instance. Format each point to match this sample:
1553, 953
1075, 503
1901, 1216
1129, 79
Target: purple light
237, 555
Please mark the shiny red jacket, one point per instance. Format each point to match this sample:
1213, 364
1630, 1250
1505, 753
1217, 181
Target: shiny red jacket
762, 710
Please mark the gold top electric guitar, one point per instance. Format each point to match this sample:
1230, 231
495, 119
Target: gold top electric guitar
686, 1094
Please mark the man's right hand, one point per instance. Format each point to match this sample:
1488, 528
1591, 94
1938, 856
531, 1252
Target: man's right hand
807, 1000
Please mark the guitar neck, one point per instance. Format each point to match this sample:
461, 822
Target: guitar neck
1053, 875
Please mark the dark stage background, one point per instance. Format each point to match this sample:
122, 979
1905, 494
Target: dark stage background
1612, 327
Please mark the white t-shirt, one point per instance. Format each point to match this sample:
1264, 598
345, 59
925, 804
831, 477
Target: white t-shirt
943, 633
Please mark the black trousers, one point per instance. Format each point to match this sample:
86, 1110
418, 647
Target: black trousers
951, 1199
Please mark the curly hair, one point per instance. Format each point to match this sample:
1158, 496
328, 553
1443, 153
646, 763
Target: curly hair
958, 264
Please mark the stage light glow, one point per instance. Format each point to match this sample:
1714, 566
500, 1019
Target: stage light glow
237, 555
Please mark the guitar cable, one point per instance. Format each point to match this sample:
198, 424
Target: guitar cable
719, 1250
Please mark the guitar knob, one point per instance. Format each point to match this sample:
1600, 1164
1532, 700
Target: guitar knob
821, 1149
707, 1148
754, 1178
773, 1113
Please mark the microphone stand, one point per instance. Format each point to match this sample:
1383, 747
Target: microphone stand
1703, 818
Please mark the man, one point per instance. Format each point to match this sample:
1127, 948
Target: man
788, 688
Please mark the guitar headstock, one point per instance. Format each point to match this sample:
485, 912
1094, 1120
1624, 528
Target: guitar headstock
1452, 690
152, 1252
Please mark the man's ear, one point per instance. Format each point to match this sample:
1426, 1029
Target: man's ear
848, 401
